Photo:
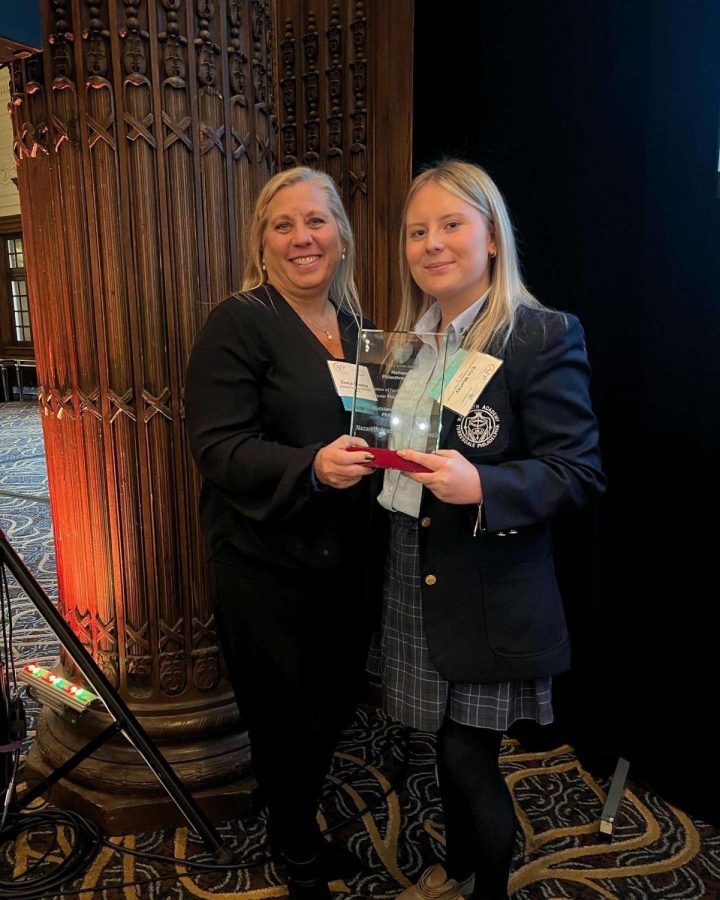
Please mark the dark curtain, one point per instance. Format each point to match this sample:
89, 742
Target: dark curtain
599, 121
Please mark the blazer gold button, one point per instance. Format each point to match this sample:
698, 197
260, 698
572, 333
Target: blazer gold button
425, 522
430, 579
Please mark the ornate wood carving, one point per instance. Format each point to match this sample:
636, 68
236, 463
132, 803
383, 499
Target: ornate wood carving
288, 86
311, 80
143, 138
143, 134
345, 80
335, 97
358, 164
212, 146
243, 122
262, 84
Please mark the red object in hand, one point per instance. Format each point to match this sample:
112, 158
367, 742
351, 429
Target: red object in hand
388, 459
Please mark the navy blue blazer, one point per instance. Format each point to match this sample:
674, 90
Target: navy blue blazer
491, 603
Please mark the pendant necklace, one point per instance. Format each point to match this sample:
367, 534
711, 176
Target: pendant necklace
328, 334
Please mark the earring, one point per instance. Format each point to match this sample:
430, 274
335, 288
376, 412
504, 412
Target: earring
343, 254
263, 266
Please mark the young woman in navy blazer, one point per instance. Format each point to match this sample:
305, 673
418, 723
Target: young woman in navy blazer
473, 625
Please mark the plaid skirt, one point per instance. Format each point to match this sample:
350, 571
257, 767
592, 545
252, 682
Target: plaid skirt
414, 691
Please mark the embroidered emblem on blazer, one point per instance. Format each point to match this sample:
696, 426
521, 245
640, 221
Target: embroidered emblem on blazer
479, 427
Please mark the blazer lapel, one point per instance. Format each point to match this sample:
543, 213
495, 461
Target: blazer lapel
448, 417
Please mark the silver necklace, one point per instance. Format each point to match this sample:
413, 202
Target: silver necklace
328, 334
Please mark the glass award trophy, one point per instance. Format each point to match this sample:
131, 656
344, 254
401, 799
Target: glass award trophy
397, 398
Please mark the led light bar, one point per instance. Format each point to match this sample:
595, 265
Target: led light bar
54, 690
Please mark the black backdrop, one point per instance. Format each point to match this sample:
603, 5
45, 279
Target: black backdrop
599, 121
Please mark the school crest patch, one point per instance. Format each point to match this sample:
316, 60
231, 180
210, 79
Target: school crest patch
479, 427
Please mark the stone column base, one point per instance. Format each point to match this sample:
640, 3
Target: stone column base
126, 811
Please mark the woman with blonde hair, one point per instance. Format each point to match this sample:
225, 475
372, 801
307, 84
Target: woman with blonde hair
473, 624
284, 506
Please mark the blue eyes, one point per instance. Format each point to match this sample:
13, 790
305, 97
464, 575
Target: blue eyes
421, 232
288, 226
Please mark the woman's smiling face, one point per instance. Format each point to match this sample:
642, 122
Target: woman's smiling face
301, 244
449, 245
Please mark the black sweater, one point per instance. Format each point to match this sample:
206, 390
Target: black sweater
260, 402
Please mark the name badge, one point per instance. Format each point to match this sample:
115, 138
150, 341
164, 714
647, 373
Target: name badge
468, 374
348, 385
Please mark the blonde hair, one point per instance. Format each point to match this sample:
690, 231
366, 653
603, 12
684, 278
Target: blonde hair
508, 294
343, 288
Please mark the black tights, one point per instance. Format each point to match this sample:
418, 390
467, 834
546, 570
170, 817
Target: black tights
477, 806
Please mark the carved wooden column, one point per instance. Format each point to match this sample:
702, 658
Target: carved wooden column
142, 136
344, 71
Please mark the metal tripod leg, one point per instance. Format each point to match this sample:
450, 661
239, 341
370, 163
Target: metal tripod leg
125, 721
57, 774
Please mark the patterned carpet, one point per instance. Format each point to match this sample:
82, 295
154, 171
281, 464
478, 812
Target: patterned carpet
658, 851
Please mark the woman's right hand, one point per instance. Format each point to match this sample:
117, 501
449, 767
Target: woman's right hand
337, 468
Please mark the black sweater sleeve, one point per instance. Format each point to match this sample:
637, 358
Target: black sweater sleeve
260, 477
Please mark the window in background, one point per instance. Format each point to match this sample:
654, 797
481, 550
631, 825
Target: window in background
14, 309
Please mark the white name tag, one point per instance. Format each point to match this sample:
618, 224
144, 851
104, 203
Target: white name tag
469, 381
343, 376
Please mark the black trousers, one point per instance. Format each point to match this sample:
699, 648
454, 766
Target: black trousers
294, 654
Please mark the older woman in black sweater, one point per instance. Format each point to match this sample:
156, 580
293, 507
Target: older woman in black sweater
284, 506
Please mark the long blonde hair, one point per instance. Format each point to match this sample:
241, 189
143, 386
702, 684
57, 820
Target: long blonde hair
494, 326
343, 288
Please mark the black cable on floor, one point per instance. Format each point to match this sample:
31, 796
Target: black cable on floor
84, 839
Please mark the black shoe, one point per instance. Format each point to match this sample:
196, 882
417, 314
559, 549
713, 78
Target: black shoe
258, 804
306, 879
338, 862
